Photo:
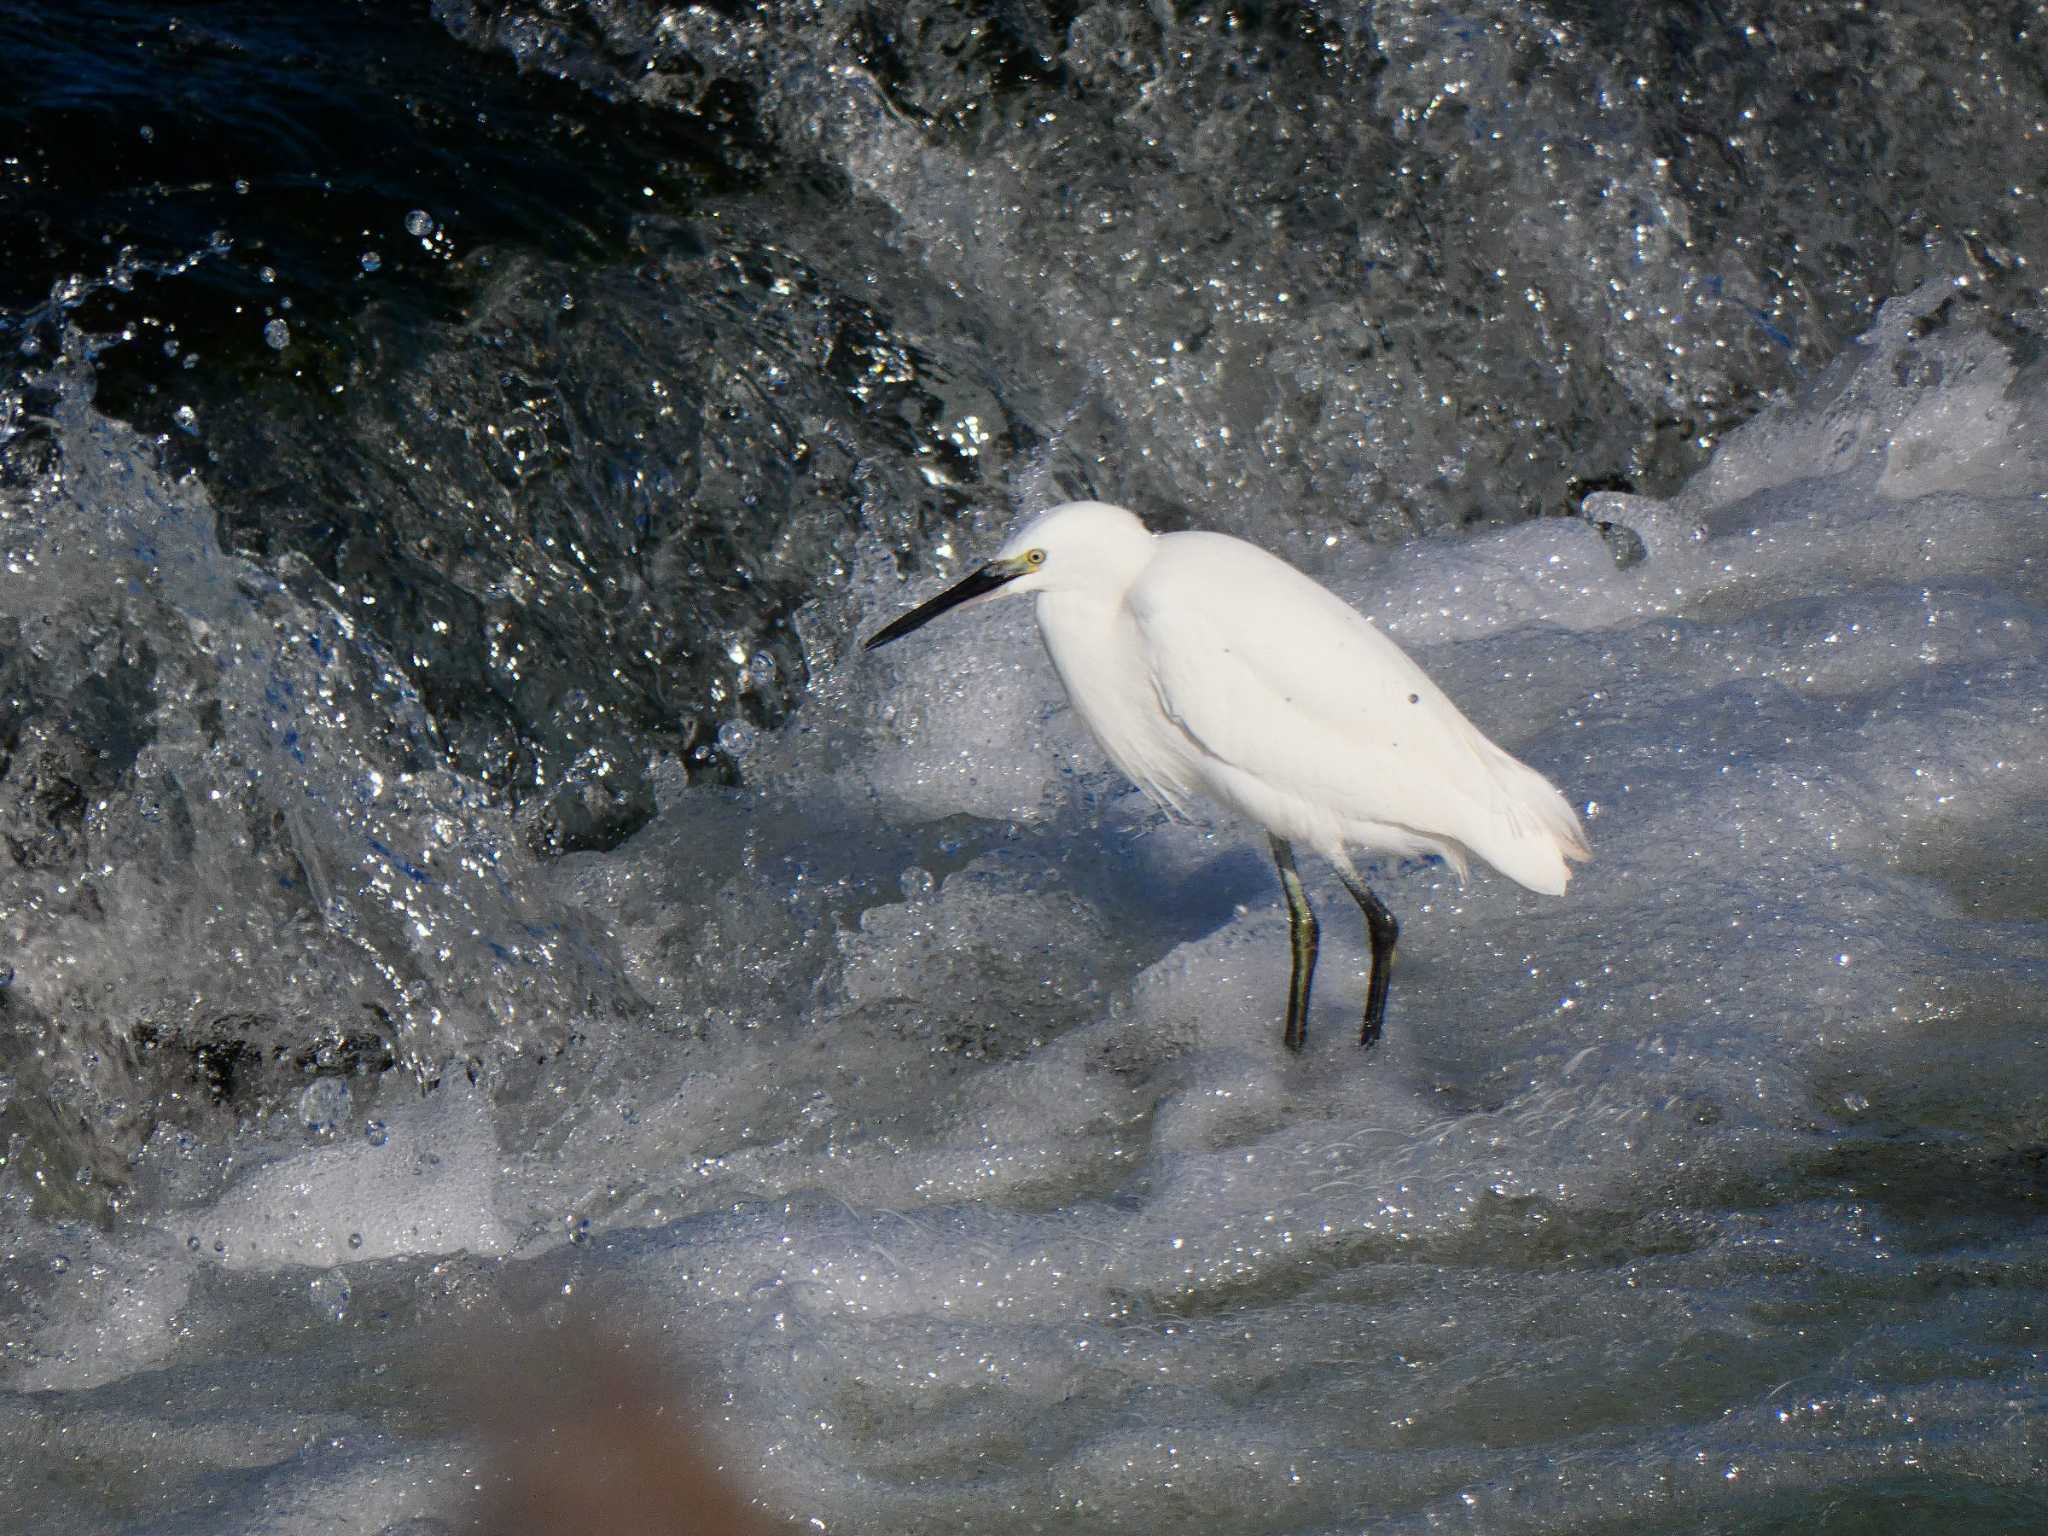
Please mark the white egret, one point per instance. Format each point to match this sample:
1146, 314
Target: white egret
1204, 665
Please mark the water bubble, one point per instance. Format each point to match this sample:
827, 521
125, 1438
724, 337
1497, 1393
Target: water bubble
371, 261
187, 419
241, 186
82, 1176
192, 1242
330, 1295
322, 1106
278, 334
376, 1133
761, 667
355, 1239
6, 975
916, 883
567, 302
266, 274
579, 1230
736, 738
419, 223
60, 1264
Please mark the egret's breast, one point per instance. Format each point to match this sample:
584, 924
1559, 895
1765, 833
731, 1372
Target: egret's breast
1094, 649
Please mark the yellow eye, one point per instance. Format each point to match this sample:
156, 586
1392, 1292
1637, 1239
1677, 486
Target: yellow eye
1036, 557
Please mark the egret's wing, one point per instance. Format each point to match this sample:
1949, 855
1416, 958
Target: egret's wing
1268, 673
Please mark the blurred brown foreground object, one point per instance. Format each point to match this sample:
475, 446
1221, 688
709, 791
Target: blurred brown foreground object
589, 1435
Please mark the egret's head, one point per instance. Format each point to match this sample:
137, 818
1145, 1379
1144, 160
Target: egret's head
1082, 544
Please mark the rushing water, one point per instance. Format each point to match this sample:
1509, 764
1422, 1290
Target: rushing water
459, 867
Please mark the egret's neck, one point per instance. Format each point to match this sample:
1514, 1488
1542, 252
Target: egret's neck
1085, 636
1093, 642
1068, 613
1085, 617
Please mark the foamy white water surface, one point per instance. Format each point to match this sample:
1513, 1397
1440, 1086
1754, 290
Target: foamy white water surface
950, 1128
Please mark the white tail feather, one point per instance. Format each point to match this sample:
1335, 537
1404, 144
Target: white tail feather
1531, 833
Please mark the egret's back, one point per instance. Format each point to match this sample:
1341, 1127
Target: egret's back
1291, 708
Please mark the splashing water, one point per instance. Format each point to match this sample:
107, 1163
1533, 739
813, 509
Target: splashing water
457, 869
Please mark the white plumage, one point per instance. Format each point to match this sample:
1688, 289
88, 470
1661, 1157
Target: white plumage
1204, 665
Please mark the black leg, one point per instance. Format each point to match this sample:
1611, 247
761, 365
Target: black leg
1383, 929
1301, 933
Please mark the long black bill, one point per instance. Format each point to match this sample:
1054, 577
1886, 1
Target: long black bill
982, 582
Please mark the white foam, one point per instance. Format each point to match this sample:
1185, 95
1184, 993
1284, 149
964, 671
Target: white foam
957, 1137
423, 1184
109, 1311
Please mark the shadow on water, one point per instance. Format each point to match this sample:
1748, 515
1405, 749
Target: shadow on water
1902, 1505
1995, 868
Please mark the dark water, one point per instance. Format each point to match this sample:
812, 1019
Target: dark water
434, 436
